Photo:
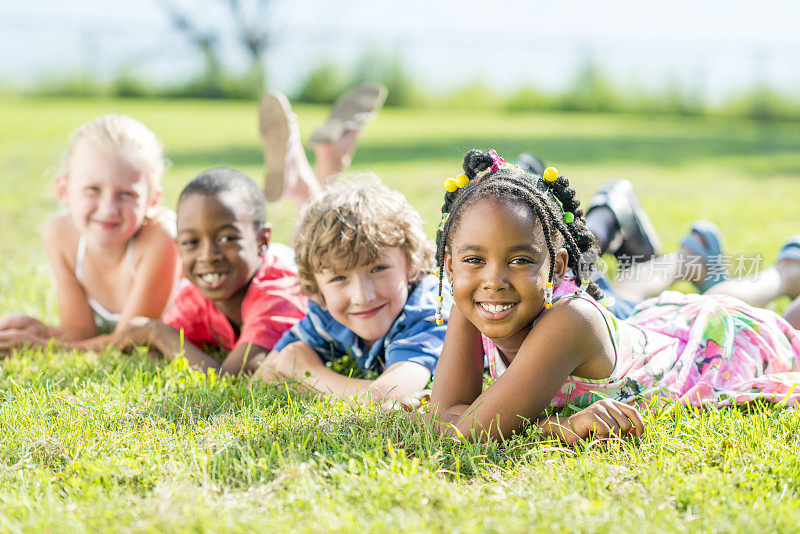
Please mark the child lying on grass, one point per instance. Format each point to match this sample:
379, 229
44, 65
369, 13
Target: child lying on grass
517, 252
363, 259
112, 251
239, 294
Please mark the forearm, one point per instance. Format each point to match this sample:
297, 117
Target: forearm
170, 343
322, 380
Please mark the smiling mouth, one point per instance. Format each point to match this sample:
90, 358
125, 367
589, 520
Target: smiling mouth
107, 224
496, 308
368, 313
212, 280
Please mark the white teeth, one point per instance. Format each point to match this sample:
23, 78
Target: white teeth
495, 308
210, 278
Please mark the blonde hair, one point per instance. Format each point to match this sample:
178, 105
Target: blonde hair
125, 135
347, 226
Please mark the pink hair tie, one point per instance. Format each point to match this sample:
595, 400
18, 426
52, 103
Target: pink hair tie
497, 161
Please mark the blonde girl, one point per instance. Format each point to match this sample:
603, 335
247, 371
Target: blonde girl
112, 251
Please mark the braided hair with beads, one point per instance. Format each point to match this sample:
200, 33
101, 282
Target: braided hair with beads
553, 202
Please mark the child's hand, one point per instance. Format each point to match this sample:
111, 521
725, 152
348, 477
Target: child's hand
413, 401
137, 332
11, 339
23, 323
602, 419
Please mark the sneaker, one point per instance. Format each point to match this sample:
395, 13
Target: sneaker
639, 240
709, 247
530, 163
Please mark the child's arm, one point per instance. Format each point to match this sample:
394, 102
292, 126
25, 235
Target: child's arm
157, 270
569, 336
73, 309
299, 362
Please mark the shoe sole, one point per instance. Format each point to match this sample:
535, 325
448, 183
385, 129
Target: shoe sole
362, 100
273, 123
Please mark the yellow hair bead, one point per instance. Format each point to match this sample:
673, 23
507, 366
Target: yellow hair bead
462, 180
548, 305
450, 185
550, 174
439, 321
439, 298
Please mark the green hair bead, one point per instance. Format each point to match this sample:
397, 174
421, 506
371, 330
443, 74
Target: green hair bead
569, 217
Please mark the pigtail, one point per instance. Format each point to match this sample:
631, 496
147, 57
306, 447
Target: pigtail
476, 161
582, 260
476, 164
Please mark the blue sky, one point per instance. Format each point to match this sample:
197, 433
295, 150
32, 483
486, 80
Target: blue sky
712, 47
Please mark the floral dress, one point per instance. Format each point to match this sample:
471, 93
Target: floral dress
697, 349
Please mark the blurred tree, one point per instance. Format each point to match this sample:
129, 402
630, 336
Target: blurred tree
253, 32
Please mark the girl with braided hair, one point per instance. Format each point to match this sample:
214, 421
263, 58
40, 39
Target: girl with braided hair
518, 256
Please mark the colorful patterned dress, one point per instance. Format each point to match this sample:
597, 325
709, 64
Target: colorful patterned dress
710, 350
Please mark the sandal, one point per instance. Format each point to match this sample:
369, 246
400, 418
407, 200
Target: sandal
350, 112
710, 252
274, 118
640, 241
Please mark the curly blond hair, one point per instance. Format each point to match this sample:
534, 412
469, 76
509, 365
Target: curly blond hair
347, 226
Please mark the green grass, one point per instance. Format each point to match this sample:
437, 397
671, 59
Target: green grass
111, 442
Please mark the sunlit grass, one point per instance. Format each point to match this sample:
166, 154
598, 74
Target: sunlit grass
108, 442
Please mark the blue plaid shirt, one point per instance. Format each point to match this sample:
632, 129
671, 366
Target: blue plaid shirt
414, 336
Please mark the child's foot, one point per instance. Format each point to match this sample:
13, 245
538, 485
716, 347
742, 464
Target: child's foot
788, 266
288, 173
350, 112
700, 256
274, 117
335, 141
637, 240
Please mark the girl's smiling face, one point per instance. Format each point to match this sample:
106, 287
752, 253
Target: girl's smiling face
107, 196
498, 264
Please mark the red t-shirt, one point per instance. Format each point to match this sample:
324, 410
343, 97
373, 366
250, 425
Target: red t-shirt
273, 304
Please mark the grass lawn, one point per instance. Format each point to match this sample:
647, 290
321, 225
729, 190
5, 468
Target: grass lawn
114, 442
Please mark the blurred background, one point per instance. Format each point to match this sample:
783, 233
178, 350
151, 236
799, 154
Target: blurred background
721, 57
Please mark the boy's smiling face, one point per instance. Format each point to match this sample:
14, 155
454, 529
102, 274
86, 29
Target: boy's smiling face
368, 298
220, 247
